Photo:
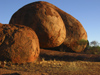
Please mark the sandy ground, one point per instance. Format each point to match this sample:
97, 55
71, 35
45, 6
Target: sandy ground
50, 64
12, 72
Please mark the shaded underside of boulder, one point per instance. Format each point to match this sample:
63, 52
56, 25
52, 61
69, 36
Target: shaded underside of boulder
45, 21
18, 44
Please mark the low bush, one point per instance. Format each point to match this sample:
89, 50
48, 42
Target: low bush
92, 50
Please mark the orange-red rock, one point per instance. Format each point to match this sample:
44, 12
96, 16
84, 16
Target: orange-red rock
75, 32
45, 21
74, 29
18, 44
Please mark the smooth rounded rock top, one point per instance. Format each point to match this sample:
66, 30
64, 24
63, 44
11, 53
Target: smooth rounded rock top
45, 21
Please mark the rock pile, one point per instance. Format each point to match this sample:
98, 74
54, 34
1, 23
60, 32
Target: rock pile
53, 27
47, 21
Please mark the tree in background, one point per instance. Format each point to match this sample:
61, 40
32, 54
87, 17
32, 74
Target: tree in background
94, 43
93, 48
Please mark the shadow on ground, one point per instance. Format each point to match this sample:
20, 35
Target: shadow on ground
67, 56
12, 74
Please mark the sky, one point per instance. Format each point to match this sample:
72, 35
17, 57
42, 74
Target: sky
86, 11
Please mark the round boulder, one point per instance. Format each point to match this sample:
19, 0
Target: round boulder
18, 44
76, 35
44, 20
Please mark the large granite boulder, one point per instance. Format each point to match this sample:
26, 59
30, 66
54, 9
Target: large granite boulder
18, 44
76, 36
75, 32
44, 20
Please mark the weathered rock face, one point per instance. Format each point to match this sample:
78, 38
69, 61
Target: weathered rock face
75, 32
18, 44
45, 21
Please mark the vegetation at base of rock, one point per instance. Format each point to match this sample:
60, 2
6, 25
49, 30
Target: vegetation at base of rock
93, 50
82, 42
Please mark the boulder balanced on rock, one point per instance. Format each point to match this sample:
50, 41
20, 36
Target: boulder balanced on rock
47, 20
18, 44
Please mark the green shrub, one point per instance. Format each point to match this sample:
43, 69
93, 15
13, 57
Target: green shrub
82, 42
93, 50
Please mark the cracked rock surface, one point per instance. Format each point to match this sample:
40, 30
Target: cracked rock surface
18, 44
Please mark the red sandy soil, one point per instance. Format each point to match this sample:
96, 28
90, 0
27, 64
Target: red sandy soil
58, 63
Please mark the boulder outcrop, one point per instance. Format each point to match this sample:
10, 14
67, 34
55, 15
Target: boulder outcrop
18, 44
75, 32
42, 16
45, 21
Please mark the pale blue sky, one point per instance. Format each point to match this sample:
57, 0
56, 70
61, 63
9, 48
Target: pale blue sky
86, 11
